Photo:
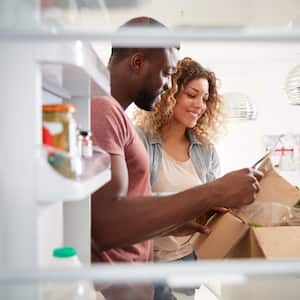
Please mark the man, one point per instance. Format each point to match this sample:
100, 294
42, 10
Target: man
124, 214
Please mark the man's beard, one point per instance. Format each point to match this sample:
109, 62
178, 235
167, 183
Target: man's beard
146, 100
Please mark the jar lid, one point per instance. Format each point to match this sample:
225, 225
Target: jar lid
64, 252
66, 107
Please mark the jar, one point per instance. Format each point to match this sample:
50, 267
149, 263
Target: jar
59, 120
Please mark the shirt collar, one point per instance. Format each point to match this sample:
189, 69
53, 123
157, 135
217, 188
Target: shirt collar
191, 136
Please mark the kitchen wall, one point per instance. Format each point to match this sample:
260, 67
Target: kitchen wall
258, 70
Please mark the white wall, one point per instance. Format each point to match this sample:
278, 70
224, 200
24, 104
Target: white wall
259, 71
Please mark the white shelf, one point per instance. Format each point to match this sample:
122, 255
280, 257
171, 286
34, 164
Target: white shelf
54, 187
56, 90
79, 61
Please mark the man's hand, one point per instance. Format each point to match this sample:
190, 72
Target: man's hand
189, 228
198, 224
238, 188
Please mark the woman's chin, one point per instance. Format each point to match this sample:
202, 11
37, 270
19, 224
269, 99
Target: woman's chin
191, 125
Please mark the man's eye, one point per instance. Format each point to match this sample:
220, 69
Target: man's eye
169, 73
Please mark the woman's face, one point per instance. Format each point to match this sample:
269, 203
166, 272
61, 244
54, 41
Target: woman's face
191, 102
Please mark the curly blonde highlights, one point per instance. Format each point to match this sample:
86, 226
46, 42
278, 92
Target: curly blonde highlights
207, 126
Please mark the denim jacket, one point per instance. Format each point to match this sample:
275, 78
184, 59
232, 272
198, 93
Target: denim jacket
204, 157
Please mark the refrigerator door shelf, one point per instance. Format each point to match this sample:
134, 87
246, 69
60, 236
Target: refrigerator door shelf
55, 181
79, 62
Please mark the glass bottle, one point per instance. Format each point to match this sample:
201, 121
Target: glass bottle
60, 122
87, 144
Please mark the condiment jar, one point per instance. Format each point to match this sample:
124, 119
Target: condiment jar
59, 120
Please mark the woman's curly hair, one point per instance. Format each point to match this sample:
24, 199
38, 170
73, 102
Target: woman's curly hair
206, 128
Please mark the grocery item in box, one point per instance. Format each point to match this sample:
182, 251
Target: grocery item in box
232, 237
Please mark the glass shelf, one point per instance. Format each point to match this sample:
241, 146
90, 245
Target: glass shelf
215, 280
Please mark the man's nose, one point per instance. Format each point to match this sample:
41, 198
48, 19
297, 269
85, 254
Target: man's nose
167, 84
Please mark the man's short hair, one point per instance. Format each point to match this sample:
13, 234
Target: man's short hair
119, 53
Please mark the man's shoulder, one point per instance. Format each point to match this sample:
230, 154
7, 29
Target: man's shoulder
104, 101
106, 104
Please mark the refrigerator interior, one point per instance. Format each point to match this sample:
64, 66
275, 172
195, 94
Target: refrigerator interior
57, 51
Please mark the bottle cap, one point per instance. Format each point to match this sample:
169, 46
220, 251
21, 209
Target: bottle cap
64, 252
85, 133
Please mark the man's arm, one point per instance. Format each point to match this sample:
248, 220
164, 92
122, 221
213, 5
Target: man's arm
119, 221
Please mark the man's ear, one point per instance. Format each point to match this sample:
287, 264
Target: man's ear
137, 62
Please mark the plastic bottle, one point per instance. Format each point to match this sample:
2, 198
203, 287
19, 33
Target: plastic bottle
66, 257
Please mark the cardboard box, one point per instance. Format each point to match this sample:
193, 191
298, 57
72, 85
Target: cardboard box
226, 233
275, 242
274, 188
231, 237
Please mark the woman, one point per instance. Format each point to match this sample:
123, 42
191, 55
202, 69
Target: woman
177, 135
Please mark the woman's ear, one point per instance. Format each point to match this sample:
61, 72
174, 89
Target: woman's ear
137, 62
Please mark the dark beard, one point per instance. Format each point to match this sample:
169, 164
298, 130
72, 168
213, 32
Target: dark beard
146, 100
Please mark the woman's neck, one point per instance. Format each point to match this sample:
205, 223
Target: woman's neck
174, 133
175, 141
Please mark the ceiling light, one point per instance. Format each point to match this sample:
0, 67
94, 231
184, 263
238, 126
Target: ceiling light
292, 86
238, 106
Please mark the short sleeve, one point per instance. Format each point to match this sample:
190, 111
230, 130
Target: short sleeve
109, 126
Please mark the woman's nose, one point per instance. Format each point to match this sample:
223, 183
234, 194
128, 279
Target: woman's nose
200, 102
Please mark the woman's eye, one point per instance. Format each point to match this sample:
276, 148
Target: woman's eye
191, 96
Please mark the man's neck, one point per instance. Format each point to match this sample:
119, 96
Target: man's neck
119, 88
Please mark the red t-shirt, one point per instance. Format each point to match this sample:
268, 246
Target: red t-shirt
114, 132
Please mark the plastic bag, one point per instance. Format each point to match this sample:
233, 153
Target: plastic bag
269, 214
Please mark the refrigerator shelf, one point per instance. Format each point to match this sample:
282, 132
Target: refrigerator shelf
78, 62
54, 185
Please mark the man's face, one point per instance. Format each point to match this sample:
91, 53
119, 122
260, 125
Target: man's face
156, 78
